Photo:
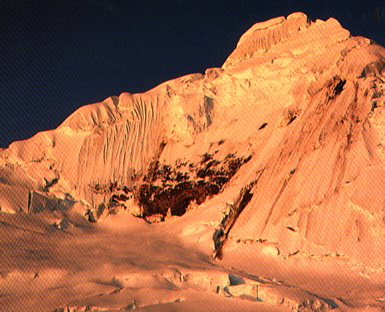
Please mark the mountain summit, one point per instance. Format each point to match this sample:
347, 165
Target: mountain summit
279, 153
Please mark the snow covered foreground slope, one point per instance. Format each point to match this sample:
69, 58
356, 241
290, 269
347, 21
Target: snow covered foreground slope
268, 174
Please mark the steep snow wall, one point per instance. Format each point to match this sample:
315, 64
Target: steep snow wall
289, 134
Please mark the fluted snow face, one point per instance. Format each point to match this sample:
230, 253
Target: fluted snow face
294, 118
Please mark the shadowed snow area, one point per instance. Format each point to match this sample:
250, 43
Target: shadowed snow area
258, 186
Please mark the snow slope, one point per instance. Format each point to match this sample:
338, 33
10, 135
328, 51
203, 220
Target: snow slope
262, 184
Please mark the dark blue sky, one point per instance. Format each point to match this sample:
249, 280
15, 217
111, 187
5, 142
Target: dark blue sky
56, 56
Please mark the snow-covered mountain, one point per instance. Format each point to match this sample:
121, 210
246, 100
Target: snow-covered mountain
272, 163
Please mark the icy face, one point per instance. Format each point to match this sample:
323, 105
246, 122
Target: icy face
294, 120
273, 165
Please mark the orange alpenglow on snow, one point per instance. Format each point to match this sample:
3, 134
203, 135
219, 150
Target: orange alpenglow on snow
262, 180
